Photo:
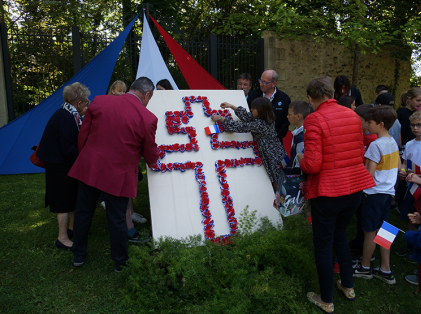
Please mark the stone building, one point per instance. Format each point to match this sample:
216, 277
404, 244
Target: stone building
297, 62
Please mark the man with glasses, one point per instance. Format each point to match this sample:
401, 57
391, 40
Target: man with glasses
280, 101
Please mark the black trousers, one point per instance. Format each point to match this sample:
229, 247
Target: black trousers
116, 216
331, 217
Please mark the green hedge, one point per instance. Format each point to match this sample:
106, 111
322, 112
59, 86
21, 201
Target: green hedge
267, 271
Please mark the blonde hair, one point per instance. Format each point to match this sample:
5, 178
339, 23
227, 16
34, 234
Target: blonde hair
415, 116
115, 85
75, 91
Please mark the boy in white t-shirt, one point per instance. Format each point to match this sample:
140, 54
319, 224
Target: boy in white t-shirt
383, 164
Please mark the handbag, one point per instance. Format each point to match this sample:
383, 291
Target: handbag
289, 196
35, 160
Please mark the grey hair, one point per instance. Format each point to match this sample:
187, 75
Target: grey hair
274, 75
75, 91
245, 76
143, 85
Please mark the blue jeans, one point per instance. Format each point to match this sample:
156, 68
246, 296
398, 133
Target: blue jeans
331, 217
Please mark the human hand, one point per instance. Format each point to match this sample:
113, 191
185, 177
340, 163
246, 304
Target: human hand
300, 157
402, 174
412, 177
415, 218
225, 105
215, 117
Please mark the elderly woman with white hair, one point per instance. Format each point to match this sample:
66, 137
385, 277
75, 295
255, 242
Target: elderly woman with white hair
58, 148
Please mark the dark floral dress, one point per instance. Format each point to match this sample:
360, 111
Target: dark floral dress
271, 149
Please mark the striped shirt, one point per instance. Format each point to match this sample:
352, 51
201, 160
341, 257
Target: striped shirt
385, 153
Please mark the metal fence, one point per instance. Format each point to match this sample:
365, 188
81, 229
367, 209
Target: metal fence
42, 61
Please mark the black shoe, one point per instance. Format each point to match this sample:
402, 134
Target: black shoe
387, 278
62, 246
403, 251
70, 233
409, 259
137, 239
360, 271
80, 263
119, 268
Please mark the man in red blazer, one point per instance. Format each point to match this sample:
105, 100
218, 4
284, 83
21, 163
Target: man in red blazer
116, 132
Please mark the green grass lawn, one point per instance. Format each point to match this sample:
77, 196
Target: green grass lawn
36, 277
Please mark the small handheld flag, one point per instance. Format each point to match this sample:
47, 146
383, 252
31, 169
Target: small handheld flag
212, 129
310, 220
386, 235
412, 166
415, 190
284, 162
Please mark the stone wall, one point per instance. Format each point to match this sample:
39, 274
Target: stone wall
297, 62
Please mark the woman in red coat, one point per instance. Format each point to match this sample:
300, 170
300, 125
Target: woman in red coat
333, 160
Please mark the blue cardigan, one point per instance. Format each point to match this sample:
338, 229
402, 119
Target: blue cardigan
59, 141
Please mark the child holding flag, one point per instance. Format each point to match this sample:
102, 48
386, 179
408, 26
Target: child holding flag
382, 163
260, 122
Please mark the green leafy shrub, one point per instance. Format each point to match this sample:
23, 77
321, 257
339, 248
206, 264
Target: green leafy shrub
265, 271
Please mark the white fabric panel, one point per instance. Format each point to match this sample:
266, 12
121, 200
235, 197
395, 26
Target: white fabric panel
175, 197
151, 63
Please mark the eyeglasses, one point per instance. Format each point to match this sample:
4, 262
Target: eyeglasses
87, 102
418, 125
263, 82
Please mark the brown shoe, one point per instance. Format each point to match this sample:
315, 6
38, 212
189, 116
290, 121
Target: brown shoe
349, 294
327, 308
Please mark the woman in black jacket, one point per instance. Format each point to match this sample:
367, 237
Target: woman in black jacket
58, 148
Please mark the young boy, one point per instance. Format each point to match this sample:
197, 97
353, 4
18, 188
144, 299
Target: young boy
297, 112
358, 241
382, 163
411, 158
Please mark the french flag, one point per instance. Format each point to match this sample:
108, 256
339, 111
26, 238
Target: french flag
212, 129
386, 235
412, 166
284, 162
414, 189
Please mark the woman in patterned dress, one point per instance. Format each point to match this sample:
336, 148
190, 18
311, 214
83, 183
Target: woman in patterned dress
260, 122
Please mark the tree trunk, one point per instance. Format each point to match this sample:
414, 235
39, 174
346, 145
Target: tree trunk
357, 56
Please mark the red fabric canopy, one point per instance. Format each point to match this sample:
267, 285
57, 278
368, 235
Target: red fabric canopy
196, 76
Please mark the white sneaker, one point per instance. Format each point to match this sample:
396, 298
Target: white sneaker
102, 204
138, 218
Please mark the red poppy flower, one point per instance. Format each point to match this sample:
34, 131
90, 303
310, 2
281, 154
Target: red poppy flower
220, 169
225, 192
215, 145
170, 166
204, 207
175, 146
176, 113
225, 186
163, 167
161, 154
233, 143
176, 166
199, 164
209, 234
189, 164
258, 161
228, 163
185, 119
186, 98
207, 221
205, 200
221, 128
182, 167
208, 227
220, 162
205, 102
189, 147
182, 147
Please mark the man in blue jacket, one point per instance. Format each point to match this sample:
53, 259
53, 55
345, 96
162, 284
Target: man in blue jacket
280, 101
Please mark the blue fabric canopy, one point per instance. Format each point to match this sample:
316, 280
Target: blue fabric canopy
18, 136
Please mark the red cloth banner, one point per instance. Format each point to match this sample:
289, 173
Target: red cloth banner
196, 76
